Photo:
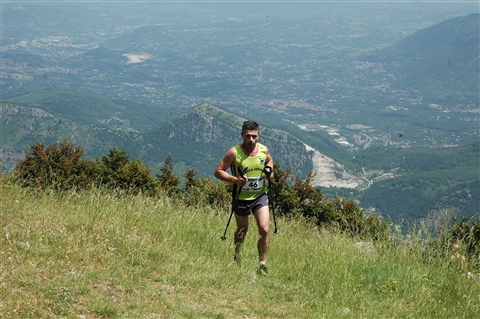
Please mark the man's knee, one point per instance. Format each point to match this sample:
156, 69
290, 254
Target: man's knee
263, 232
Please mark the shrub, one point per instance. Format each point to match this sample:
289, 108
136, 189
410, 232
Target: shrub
60, 167
281, 194
190, 179
463, 237
207, 192
294, 197
458, 241
347, 216
167, 179
117, 172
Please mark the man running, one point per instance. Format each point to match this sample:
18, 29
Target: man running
249, 158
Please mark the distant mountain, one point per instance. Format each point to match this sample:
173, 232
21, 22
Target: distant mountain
24, 126
197, 139
202, 136
441, 61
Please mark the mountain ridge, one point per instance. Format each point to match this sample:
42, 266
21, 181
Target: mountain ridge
197, 139
440, 60
218, 130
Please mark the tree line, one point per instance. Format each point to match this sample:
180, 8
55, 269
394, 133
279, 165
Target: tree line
63, 167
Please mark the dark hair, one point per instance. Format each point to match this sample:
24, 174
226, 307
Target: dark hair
250, 126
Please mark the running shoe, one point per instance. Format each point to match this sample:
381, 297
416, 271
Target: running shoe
262, 270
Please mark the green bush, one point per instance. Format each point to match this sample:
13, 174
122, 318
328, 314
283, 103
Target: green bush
117, 172
167, 179
64, 167
60, 167
207, 192
345, 215
190, 179
294, 197
463, 238
448, 238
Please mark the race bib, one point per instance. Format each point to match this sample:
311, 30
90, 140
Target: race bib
253, 184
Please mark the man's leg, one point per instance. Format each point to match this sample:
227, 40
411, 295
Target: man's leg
262, 216
240, 232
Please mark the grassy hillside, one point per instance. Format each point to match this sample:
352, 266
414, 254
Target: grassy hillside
97, 255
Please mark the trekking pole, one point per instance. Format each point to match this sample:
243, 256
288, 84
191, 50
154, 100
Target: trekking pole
268, 171
228, 223
235, 195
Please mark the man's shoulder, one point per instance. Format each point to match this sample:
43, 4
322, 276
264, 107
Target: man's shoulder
262, 147
235, 148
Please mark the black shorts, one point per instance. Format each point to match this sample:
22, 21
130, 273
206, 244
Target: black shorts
247, 207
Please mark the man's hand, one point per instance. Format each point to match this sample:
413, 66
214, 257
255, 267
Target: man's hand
241, 181
268, 170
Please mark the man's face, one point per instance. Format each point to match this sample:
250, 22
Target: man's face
250, 138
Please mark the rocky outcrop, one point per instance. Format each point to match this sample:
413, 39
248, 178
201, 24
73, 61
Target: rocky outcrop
330, 173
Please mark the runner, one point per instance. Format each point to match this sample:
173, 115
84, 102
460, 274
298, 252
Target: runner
249, 157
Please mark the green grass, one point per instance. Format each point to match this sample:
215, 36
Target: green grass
96, 255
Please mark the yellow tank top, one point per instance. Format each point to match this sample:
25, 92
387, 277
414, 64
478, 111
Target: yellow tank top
252, 167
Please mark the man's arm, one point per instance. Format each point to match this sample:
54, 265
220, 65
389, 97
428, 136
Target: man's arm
225, 163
